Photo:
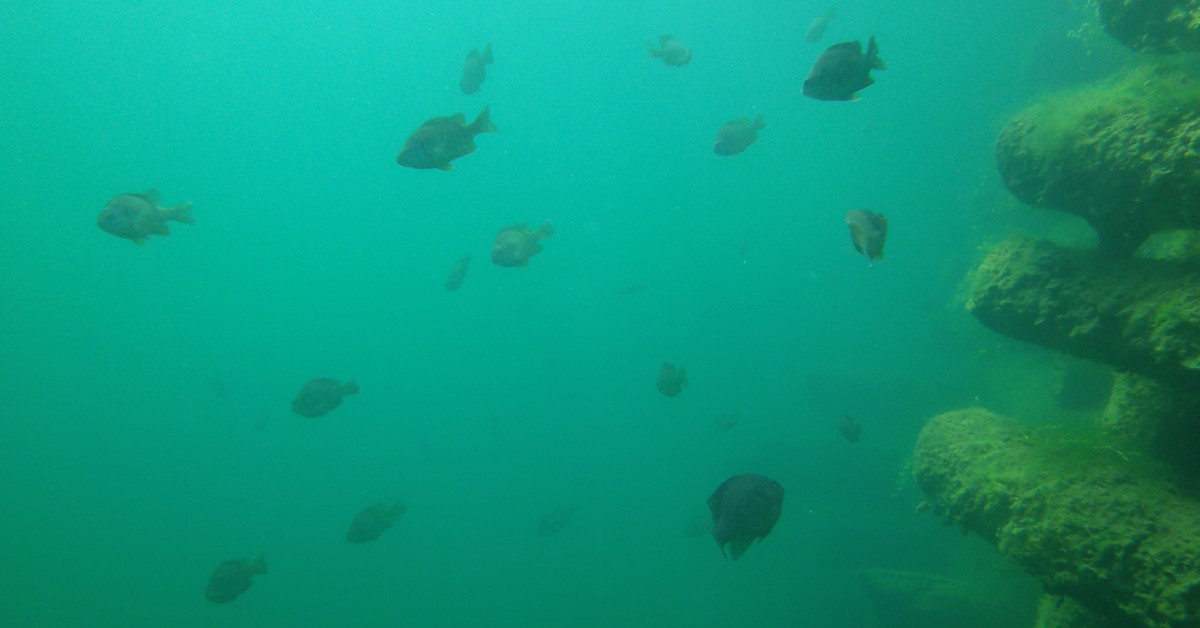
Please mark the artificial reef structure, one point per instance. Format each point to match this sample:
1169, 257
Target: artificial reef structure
1107, 515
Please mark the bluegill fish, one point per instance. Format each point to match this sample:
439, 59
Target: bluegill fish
736, 136
475, 69
232, 578
671, 52
138, 216
516, 244
843, 70
868, 233
442, 140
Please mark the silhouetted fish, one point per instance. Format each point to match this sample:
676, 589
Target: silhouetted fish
671, 52
868, 233
458, 272
728, 420
553, 522
373, 521
671, 381
816, 28
322, 395
737, 135
842, 71
514, 245
475, 69
138, 216
850, 428
442, 140
744, 508
231, 579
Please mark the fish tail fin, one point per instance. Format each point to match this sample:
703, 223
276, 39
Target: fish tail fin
759, 123
259, 566
486, 57
873, 55
398, 508
546, 231
483, 122
350, 388
179, 213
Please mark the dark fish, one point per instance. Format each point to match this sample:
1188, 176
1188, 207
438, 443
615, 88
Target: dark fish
322, 395
475, 69
744, 507
373, 521
442, 140
842, 71
868, 233
458, 272
850, 428
736, 135
553, 522
728, 421
671, 52
816, 28
670, 380
516, 244
137, 216
231, 579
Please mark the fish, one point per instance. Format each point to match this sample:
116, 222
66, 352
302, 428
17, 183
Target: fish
321, 395
816, 28
514, 245
671, 52
629, 289
737, 135
868, 233
442, 140
842, 71
475, 69
373, 521
137, 216
553, 522
670, 380
850, 428
728, 420
744, 507
232, 578
458, 272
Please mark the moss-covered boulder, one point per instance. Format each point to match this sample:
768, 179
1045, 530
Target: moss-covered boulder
1087, 523
1124, 155
1135, 314
1154, 26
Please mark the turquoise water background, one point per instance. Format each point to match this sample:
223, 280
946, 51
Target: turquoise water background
147, 433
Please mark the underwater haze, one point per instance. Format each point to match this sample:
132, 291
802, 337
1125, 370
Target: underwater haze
147, 432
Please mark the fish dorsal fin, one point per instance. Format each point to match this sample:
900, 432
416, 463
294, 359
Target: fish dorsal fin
150, 196
849, 46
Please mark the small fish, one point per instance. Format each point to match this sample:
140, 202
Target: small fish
552, 523
321, 395
628, 289
671, 52
138, 216
373, 521
514, 245
737, 135
231, 579
842, 71
744, 508
442, 140
728, 420
475, 69
457, 273
850, 428
868, 233
670, 380
816, 28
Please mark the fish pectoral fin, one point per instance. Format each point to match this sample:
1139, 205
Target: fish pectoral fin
139, 242
446, 166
